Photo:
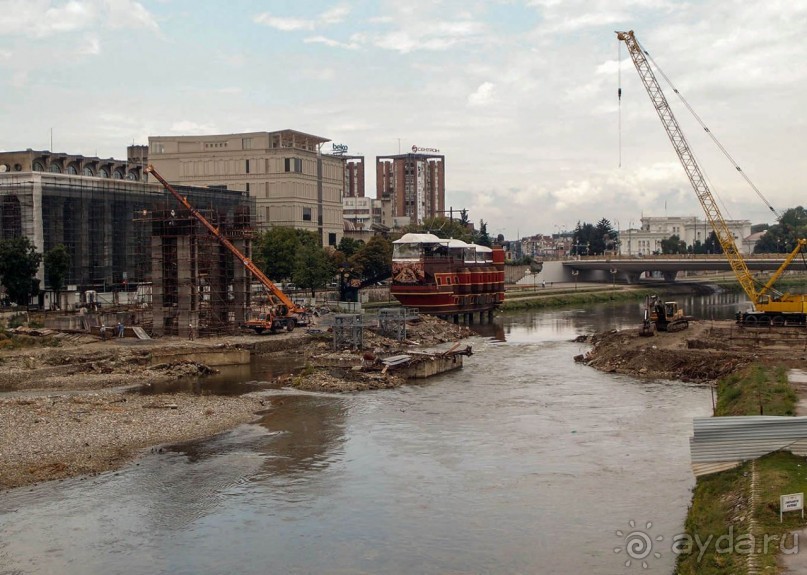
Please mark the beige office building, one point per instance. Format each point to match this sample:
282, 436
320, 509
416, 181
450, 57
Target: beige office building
292, 182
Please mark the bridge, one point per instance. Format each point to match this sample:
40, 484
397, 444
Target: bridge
627, 269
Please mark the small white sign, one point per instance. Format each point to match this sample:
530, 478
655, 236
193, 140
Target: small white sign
792, 502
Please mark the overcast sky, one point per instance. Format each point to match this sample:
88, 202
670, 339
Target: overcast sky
520, 95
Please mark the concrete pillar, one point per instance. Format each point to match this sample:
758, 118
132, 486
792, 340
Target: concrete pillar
242, 281
157, 286
187, 310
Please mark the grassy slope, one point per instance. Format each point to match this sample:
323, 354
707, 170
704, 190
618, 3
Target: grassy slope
721, 501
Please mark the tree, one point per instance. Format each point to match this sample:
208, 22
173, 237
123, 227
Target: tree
313, 268
605, 237
673, 245
464, 221
57, 264
782, 237
374, 259
349, 246
19, 263
442, 228
711, 245
276, 249
483, 238
583, 238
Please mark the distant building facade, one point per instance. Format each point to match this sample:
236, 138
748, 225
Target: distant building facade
292, 182
73, 164
414, 183
102, 219
354, 176
647, 239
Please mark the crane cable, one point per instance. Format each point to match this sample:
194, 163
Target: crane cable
619, 94
711, 135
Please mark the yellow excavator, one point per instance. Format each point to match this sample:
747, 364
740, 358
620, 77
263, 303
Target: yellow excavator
662, 316
771, 307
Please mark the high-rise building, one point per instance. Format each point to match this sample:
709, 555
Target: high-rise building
292, 182
414, 183
354, 176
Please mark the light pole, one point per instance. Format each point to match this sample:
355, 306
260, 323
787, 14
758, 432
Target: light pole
613, 278
574, 274
630, 236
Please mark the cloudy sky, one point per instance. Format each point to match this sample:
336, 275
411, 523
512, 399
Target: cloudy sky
520, 95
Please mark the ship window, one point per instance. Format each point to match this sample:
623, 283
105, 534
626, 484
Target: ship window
406, 251
448, 280
439, 281
456, 279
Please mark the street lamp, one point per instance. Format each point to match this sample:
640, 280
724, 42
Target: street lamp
575, 274
613, 278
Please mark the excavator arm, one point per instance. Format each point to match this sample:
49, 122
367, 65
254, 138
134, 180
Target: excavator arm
253, 269
679, 142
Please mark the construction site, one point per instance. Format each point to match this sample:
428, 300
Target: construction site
136, 255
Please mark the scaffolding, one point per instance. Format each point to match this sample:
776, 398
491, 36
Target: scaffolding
124, 235
348, 331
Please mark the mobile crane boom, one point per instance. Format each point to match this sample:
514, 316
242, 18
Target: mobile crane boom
775, 309
290, 306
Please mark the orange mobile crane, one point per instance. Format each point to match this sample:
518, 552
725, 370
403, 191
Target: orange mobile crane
771, 307
283, 313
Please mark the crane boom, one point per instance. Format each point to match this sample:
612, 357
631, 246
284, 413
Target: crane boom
782, 308
253, 269
679, 142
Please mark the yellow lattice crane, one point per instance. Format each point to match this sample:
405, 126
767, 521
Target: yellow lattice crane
770, 306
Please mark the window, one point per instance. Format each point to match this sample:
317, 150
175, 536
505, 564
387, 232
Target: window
246, 143
331, 239
307, 214
294, 165
247, 187
247, 166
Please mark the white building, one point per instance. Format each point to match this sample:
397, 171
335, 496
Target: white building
647, 240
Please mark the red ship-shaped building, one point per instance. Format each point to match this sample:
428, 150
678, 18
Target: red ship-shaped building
446, 277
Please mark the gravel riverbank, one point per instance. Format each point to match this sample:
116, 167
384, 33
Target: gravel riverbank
55, 436
66, 406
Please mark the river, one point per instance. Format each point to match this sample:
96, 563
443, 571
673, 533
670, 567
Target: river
523, 462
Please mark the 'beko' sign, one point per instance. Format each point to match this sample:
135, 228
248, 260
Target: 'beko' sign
339, 148
415, 150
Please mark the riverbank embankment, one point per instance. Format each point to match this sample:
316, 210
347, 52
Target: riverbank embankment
70, 406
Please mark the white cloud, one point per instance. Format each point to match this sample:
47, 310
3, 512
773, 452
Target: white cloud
332, 43
330, 17
334, 15
45, 18
283, 24
129, 14
483, 95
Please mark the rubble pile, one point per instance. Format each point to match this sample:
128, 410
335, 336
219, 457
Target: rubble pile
705, 352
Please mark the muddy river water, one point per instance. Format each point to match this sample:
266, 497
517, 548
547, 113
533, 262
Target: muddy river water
521, 462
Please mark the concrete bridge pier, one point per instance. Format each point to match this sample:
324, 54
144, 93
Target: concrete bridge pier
669, 276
